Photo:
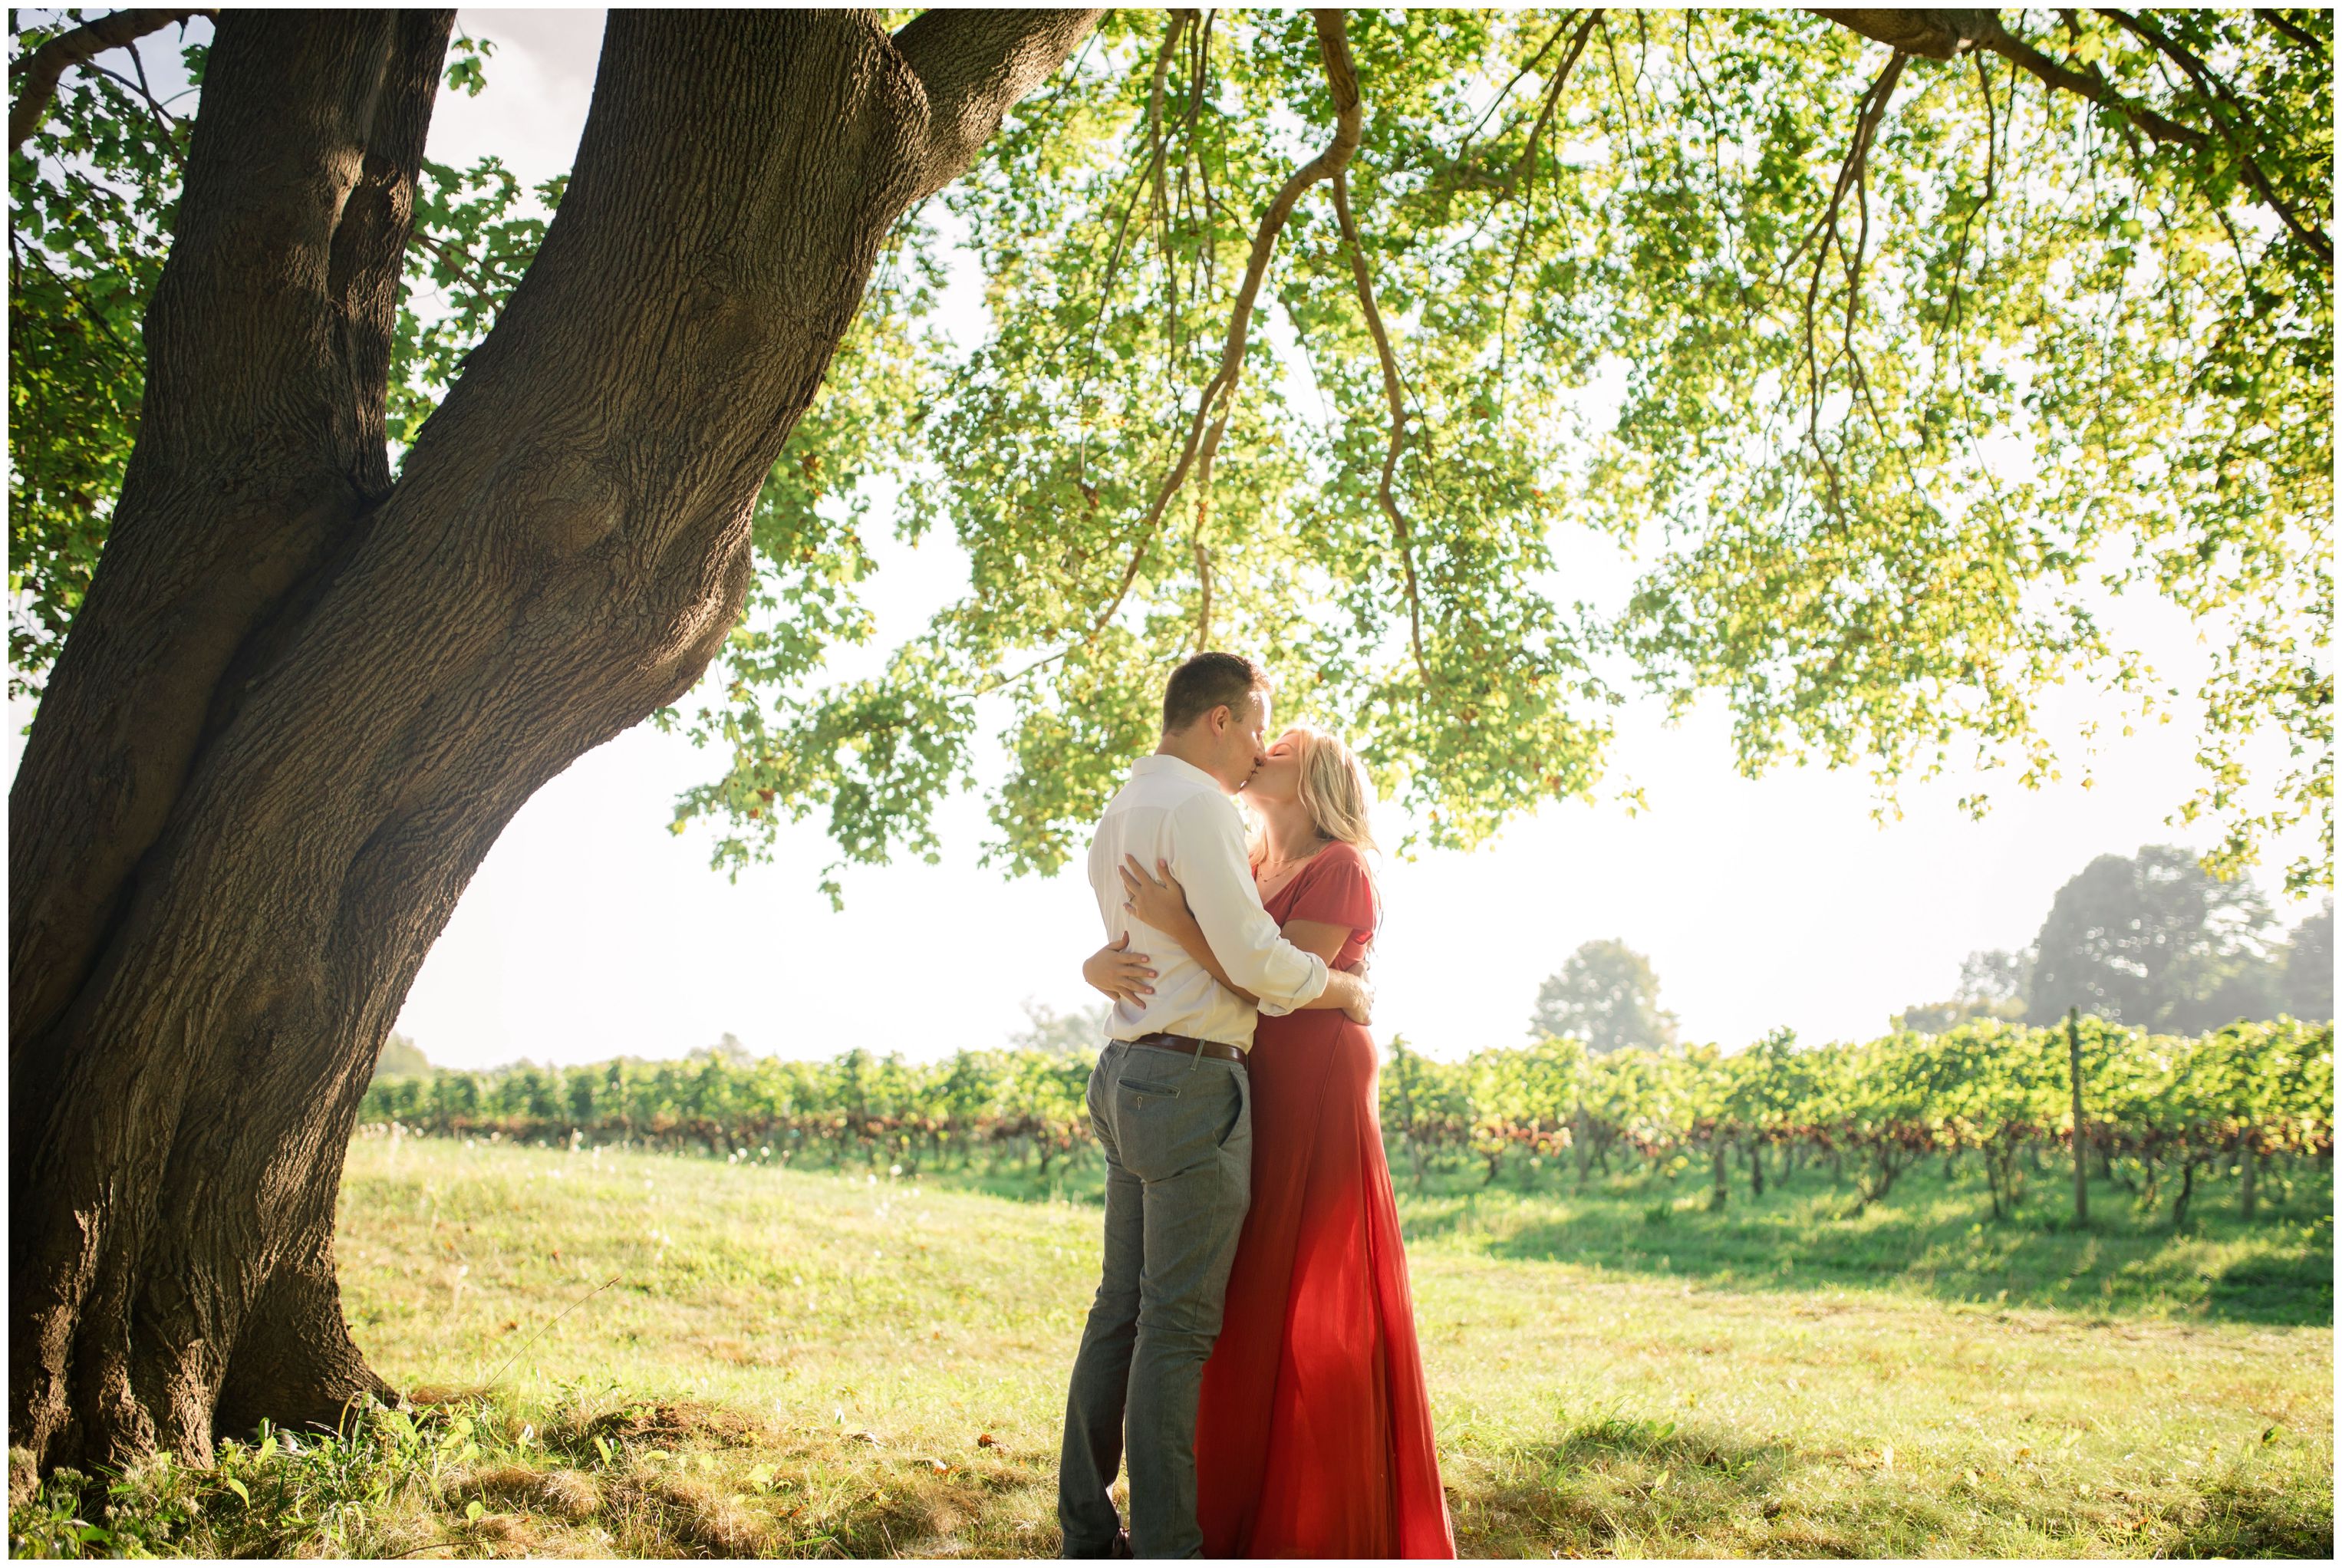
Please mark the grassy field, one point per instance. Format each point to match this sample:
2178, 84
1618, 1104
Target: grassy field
808, 1364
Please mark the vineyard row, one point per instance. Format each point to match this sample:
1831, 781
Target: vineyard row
2157, 1109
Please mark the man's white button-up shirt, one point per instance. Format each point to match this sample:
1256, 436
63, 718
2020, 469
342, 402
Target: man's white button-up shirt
1175, 812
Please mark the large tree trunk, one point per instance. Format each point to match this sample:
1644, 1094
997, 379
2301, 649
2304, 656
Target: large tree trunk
301, 701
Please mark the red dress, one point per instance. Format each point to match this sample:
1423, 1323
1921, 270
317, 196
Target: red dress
1313, 1437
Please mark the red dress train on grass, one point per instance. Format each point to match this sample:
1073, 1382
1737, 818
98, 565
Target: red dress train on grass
1313, 1438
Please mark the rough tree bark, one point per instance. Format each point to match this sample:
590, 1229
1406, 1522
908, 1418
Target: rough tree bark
301, 700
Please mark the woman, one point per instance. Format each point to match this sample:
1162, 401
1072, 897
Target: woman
1313, 1438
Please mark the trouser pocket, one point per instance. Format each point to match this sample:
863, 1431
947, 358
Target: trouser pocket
1170, 1115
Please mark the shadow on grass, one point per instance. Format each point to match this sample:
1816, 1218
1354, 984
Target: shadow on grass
1614, 1487
1608, 1487
1933, 1236
2274, 1290
2239, 1517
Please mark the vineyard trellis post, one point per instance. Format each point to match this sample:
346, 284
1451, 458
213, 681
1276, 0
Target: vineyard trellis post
2081, 1142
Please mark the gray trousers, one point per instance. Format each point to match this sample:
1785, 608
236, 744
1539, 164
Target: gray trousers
1176, 1131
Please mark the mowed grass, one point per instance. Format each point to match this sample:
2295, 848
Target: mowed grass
869, 1334
666, 1355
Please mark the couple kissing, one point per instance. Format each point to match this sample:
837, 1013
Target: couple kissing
1251, 1350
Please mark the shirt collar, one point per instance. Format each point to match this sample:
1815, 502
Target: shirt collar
1175, 767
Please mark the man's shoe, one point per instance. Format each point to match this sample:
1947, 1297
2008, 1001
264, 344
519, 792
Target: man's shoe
1120, 1547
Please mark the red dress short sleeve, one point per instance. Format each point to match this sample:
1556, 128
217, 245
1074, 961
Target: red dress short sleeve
1335, 889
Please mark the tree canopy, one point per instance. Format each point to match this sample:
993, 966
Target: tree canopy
1889, 346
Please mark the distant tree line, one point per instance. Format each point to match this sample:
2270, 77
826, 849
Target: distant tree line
2149, 941
2153, 942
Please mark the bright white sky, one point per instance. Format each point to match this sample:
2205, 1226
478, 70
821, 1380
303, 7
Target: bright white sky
591, 929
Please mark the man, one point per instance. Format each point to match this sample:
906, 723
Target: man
1171, 1109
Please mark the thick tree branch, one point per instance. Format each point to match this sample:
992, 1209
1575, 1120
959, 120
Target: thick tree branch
1219, 393
975, 65
2215, 93
2300, 35
1936, 34
35, 76
2091, 85
1942, 35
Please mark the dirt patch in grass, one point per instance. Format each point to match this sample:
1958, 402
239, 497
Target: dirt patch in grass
665, 1424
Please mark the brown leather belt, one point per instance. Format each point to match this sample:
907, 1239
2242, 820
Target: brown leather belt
1191, 1046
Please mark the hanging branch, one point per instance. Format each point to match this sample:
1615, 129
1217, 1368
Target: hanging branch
1197, 204
459, 262
72, 291
165, 123
1850, 173
1510, 187
1853, 261
1203, 608
1159, 204
1397, 401
1504, 91
36, 76
1219, 393
1204, 456
1114, 252
1991, 172
1552, 100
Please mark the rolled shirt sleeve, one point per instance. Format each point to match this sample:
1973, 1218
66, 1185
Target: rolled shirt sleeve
1210, 863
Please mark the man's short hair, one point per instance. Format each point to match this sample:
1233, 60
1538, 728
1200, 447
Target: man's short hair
1204, 683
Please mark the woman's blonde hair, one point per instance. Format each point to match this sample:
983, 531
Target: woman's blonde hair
1334, 788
